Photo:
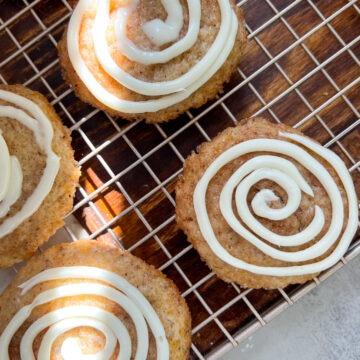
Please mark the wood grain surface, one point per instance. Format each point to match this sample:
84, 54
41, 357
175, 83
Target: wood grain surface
147, 159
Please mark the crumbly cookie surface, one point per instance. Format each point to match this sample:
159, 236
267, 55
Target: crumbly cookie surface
34, 231
210, 23
194, 169
159, 291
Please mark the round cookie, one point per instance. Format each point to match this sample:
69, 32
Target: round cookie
95, 278
83, 68
271, 207
45, 178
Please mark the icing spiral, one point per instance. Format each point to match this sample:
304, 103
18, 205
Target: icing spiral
112, 287
159, 32
285, 174
11, 178
30, 115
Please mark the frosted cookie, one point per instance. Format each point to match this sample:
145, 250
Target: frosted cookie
89, 298
266, 206
151, 60
38, 173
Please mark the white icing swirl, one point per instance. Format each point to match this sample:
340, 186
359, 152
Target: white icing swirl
159, 32
11, 178
131, 51
29, 114
59, 321
285, 174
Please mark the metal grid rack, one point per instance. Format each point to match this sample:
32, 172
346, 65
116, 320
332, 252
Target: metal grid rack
301, 67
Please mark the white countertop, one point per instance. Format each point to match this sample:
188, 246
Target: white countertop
324, 324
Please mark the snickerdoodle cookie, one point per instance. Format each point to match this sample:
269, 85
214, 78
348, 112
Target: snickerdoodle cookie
144, 59
90, 298
266, 206
38, 172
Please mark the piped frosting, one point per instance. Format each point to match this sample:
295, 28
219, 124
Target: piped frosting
29, 114
159, 32
113, 287
285, 174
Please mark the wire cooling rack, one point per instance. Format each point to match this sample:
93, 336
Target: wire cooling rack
301, 68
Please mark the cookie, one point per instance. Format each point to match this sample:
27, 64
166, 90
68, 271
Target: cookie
266, 206
90, 298
38, 173
149, 60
